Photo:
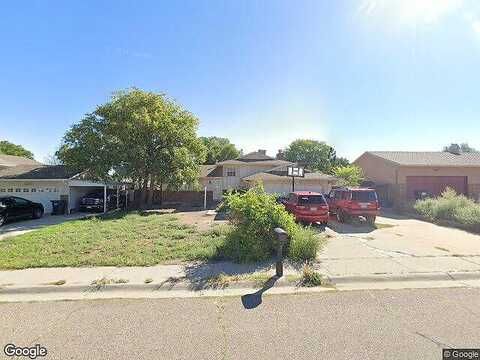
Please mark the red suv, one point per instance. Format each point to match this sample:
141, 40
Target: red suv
349, 202
307, 206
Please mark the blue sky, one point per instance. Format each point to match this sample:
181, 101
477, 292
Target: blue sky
360, 75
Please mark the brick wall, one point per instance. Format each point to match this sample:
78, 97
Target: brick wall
183, 197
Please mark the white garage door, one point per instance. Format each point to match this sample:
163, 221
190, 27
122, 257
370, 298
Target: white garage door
39, 194
286, 187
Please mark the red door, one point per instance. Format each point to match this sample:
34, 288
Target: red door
435, 185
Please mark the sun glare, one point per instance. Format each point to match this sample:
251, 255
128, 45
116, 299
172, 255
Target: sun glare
410, 12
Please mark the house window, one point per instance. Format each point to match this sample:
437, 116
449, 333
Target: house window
2, 190
40, 189
55, 190
33, 190
18, 190
10, 190
230, 171
26, 190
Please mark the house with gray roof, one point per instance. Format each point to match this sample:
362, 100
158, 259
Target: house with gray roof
257, 167
401, 177
41, 183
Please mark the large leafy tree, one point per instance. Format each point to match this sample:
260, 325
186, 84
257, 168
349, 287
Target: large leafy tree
8, 148
350, 175
314, 155
459, 148
142, 136
219, 149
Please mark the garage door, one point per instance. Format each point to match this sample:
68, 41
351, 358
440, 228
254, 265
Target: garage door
434, 185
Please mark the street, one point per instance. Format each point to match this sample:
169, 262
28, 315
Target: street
367, 324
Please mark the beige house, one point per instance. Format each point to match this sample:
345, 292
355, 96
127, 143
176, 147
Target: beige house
257, 167
401, 177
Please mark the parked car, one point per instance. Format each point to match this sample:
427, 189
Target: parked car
15, 208
307, 206
94, 201
346, 203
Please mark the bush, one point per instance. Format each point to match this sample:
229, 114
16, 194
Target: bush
310, 277
451, 207
304, 244
254, 215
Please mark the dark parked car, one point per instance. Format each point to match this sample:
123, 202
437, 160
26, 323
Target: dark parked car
15, 208
94, 201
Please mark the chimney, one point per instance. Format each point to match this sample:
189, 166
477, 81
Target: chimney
280, 155
263, 152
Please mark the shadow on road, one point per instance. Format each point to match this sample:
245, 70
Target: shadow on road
251, 301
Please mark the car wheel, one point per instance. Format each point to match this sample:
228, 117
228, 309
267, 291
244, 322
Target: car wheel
37, 214
3, 219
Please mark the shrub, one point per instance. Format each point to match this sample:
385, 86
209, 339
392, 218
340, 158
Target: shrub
451, 207
254, 215
469, 216
304, 244
310, 277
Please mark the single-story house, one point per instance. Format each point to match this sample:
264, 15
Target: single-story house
401, 177
257, 167
44, 183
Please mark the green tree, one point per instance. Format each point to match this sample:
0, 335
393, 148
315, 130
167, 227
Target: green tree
350, 175
8, 148
219, 149
142, 136
314, 155
459, 148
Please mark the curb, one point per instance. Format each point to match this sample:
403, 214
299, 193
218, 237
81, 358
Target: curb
247, 285
430, 276
48, 289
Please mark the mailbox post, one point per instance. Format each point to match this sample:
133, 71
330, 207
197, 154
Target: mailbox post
282, 239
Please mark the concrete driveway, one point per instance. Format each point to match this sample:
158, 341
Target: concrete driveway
399, 246
21, 227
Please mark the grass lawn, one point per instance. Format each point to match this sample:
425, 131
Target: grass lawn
117, 239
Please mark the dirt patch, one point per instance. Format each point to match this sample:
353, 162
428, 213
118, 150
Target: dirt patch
200, 219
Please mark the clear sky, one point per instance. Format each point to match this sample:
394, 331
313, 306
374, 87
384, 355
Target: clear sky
358, 74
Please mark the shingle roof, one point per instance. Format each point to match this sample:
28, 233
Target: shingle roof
36, 172
205, 170
10, 160
272, 162
432, 158
255, 156
270, 176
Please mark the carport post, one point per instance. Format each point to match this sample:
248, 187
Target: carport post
105, 198
205, 198
118, 200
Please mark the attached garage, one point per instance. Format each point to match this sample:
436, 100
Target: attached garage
44, 184
275, 183
435, 185
401, 177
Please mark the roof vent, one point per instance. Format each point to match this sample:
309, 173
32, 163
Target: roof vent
263, 152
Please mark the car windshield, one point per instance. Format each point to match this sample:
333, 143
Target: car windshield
366, 196
94, 195
311, 199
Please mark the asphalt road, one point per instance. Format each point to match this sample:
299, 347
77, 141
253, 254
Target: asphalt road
382, 324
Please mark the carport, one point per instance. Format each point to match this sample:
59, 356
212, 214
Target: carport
80, 188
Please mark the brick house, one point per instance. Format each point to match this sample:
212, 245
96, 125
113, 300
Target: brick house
401, 177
